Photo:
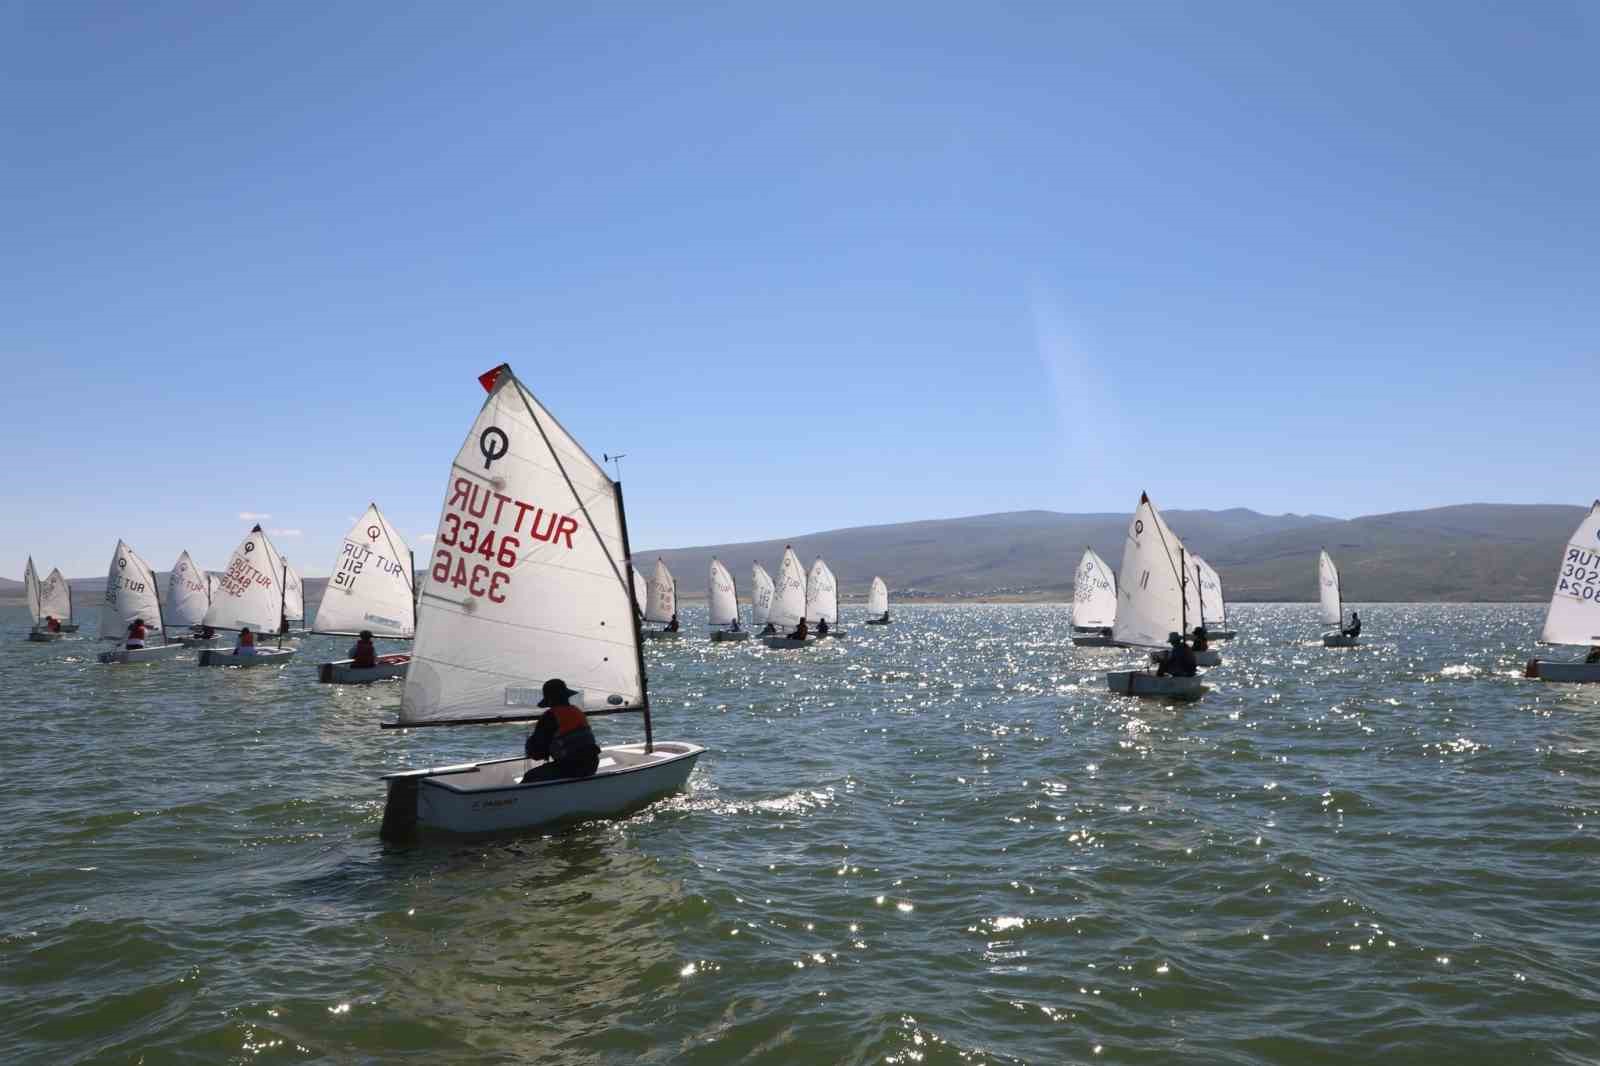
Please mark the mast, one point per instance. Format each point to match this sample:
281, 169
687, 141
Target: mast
414, 597
1200, 591
638, 639
1183, 590
283, 599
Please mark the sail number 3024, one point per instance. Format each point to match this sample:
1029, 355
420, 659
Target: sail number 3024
463, 570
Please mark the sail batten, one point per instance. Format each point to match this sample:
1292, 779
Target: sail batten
789, 592
1094, 592
722, 597
761, 595
188, 593
372, 587
1574, 613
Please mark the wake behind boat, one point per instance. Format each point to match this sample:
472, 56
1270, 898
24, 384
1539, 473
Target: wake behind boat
1573, 616
371, 595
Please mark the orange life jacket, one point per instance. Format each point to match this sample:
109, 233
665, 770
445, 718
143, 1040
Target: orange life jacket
574, 739
247, 640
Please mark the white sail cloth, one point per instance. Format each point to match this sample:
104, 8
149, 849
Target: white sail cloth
34, 589
822, 594
250, 593
131, 592
55, 598
1094, 592
1150, 593
188, 593
761, 593
663, 602
878, 597
1208, 590
1328, 591
1574, 614
722, 599
529, 577
789, 592
294, 593
371, 586
641, 590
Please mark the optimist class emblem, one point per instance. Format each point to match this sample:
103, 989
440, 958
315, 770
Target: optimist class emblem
249, 546
485, 445
1138, 525
372, 532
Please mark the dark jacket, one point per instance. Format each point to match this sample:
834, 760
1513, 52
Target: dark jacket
1178, 663
363, 654
563, 736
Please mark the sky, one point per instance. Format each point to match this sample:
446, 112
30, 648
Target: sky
807, 266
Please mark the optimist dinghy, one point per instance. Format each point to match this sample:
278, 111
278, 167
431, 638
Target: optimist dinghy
47, 599
373, 589
722, 604
662, 604
1574, 613
878, 603
1094, 602
33, 588
1151, 603
130, 595
188, 600
1332, 603
788, 602
552, 601
761, 593
250, 595
822, 599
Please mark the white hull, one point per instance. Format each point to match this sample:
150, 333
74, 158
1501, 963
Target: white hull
489, 797
1201, 658
1140, 683
43, 636
661, 634
720, 635
262, 657
1339, 640
155, 653
1562, 671
345, 672
784, 643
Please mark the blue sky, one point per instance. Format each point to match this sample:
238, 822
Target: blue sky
808, 267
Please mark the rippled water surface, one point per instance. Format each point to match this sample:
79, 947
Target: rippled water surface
941, 841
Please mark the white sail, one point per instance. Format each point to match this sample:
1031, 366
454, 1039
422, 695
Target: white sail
722, 599
294, 596
1094, 592
1328, 589
250, 593
663, 602
789, 592
529, 575
878, 598
761, 592
34, 589
1574, 615
822, 594
131, 593
371, 586
641, 590
211, 587
55, 598
188, 596
1208, 591
1150, 589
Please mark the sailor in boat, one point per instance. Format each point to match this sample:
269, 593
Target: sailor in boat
1179, 662
52, 624
1105, 631
136, 635
801, 631
363, 656
672, 626
1594, 655
733, 626
1198, 635
885, 617
202, 632
247, 642
770, 631
822, 626
561, 735
1353, 630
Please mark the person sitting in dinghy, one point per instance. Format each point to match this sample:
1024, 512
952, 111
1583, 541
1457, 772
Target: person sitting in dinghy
363, 656
1198, 635
1594, 655
672, 626
801, 632
885, 617
822, 627
561, 735
1179, 662
1353, 630
52, 624
136, 634
770, 631
247, 642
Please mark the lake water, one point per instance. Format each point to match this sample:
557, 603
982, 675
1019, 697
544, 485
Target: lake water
937, 842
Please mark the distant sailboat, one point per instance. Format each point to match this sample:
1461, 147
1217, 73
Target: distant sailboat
761, 593
33, 588
188, 600
641, 590
1332, 603
1574, 613
822, 600
55, 600
1094, 602
662, 606
556, 604
1150, 603
293, 622
1213, 605
371, 590
722, 605
878, 603
250, 594
788, 602
132, 595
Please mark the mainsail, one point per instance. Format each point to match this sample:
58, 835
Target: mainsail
131, 593
1150, 594
371, 586
188, 594
1328, 587
250, 593
1574, 615
529, 576
35, 592
789, 596
294, 595
1094, 592
761, 591
641, 589
878, 598
722, 598
663, 602
1208, 588
822, 594
55, 598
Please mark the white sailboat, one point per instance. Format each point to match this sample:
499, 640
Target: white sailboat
1574, 613
788, 602
662, 605
372, 590
1331, 603
1213, 604
188, 600
293, 622
132, 595
55, 600
822, 600
1207, 588
1094, 602
33, 588
722, 605
250, 594
878, 603
761, 593
1150, 603
552, 602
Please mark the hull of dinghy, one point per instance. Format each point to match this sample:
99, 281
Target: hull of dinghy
1139, 683
154, 654
1221, 634
784, 643
43, 636
1097, 642
879, 622
490, 797
1201, 658
345, 672
263, 657
724, 635
1545, 670
1339, 640
660, 634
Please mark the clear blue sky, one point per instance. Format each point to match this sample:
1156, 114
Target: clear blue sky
809, 266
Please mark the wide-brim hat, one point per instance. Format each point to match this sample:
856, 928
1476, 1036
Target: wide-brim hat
556, 691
